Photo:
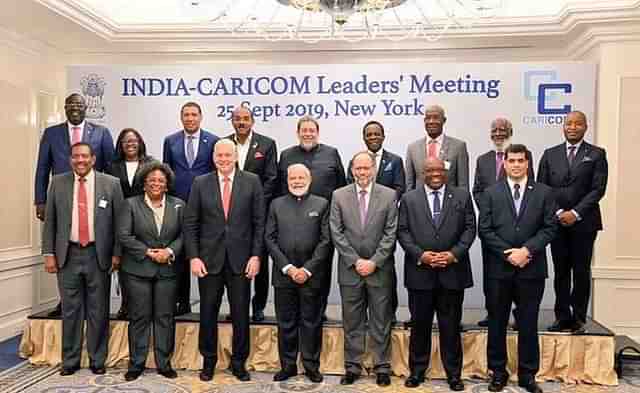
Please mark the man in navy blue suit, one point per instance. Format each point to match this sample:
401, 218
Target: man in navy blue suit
189, 152
55, 150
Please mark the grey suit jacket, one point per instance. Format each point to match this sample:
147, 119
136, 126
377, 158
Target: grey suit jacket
57, 222
137, 233
375, 242
453, 152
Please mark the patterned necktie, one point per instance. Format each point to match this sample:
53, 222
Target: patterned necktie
499, 164
516, 197
77, 135
436, 207
363, 207
191, 156
226, 196
83, 213
433, 146
572, 154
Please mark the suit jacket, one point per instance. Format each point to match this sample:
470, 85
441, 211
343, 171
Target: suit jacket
297, 233
375, 242
55, 152
57, 222
455, 232
500, 229
262, 159
390, 173
486, 172
137, 233
118, 169
453, 152
208, 236
579, 186
173, 154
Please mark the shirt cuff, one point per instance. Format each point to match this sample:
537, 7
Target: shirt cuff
173, 255
286, 268
558, 212
575, 213
48, 255
306, 271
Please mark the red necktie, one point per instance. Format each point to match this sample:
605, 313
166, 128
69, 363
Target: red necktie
226, 196
433, 145
77, 135
83, 213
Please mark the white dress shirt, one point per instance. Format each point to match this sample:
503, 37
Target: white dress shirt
430, 197
221, 181
378, 157
243, 149
90, 187
367, 196
132, 167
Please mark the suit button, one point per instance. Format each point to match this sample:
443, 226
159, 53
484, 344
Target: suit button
517, 229
437, 236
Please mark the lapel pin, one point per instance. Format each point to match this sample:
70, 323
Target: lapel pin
530, 187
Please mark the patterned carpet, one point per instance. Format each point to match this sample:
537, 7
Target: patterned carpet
30, 379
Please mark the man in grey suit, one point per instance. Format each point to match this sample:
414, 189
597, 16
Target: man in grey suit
79, 245
363, 222
437, 145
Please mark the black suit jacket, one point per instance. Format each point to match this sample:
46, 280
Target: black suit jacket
500, 229
297, 233
208, 236
262, 159
486, 172
119, 169
418, 233
390, 173
579, 186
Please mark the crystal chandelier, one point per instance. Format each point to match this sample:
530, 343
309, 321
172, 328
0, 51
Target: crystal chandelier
313, 21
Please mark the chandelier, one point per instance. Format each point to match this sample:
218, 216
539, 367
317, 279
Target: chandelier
313, 21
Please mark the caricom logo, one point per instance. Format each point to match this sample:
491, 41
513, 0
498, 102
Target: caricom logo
541, 87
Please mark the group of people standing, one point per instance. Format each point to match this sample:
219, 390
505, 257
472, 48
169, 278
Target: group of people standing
218, 208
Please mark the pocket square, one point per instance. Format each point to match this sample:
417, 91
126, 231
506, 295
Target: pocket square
313, 214
587, 159
388, 167
258, 155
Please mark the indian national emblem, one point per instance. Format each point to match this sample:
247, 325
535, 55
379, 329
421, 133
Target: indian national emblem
93, 91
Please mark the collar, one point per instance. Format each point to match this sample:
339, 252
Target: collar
367, 189
89, 177
299, 198
428, 190
81, 125
378, 154
246, 142
577, 145
230, 176
310, 150
438, 140
150, 204
196, 135
522, 183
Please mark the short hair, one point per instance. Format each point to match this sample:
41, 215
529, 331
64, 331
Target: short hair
308, 118
366, 153
507, 124
191, 104
142, 148
298, 166
370, 123
74, 95
225, 141
516, 148
156, 165
435, 108
77, 144
243, 107
581, 113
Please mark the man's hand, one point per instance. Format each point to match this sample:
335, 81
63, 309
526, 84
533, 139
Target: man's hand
198, 268
518, 257
40, 211
253, 267
443, 259
115, 263
428, 257
301, 277
50, 264
567, 218
159, 255
365, 267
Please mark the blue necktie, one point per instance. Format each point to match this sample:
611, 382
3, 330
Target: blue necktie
191, 156
436, 207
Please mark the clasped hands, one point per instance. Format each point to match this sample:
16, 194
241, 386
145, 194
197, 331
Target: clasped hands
437, 259
567, 218
297, 274
365, 267
159, 255
518, 257
199, 269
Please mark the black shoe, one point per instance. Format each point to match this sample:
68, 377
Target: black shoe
382, 379
227, 317
498, 383
65, 372
258, 316
241, 374
456, 384
314, 376
530, 386
56, 311
283, 375
349, 378
561, 326
168, 373
206, 374
98, 370
414, 381
183, 308
132, 375
514, 326
324, 318
484, 322
122, 314
578, 328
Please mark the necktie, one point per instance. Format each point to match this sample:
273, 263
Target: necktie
226, 196
572, 154
77, 135
363, 207
499, 164
516, 197
191, 156
83, 213
436, 207
433, 145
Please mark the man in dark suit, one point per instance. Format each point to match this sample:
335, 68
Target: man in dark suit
489, 170
223, 235
326, 168
257, 154
297, 235
437, 145
436, 227
55, 150
516, 223
389, 172
577, 172
188, 152
363, 222
78, 243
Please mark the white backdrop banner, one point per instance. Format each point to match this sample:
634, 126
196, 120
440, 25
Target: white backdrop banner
534, 96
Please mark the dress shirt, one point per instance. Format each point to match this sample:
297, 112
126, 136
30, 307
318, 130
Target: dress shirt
243, 149
132, 167
523, 186
430, 197
367, 196
221, 182
90, 187
70, 128
378, 157
196, 143
577, 145
158, 212
438, 142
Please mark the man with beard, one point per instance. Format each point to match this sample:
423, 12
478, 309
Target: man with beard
297, 235
327, 173
257, 154
55, 150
